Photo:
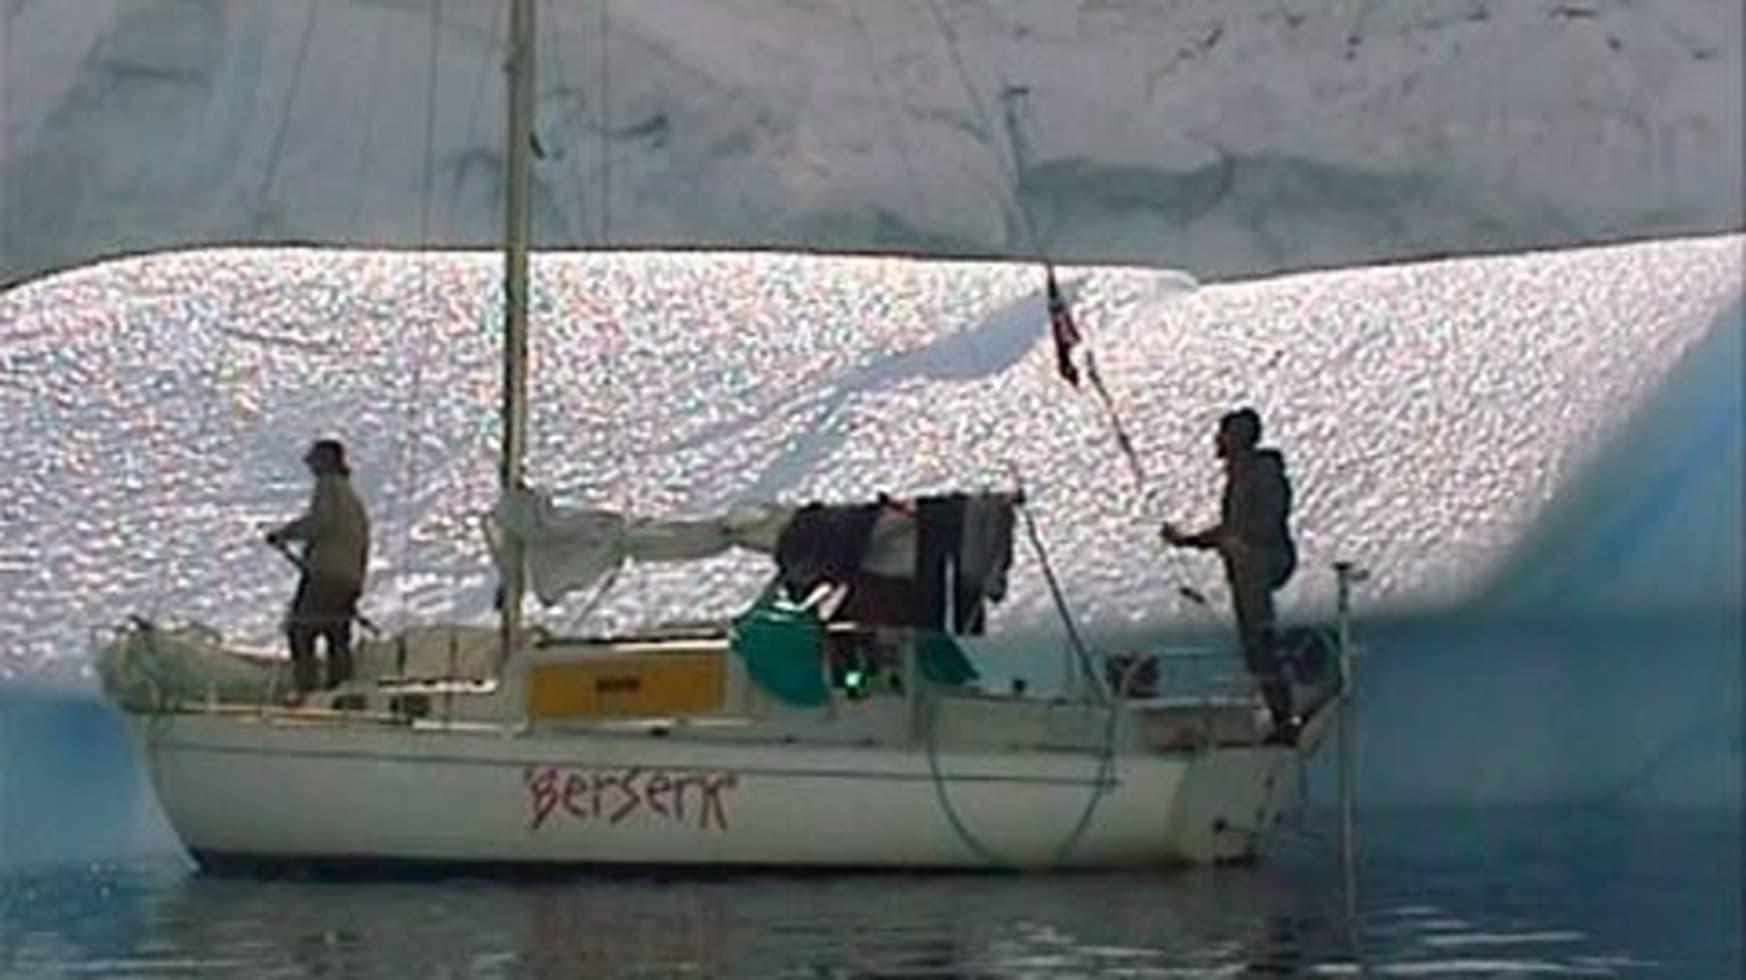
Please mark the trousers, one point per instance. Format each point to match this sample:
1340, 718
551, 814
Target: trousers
322, 609
1253, 575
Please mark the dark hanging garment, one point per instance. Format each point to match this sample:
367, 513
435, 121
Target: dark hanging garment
823, 544
876, 600
969, 612
984, 557
939, 528
969, 609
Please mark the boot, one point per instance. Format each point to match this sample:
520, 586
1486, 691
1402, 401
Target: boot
339, 666
1277, 693
303, 667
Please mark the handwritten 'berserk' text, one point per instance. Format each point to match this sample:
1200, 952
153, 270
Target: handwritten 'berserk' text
615, 795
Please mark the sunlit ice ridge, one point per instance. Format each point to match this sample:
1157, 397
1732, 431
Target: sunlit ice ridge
1550, 439
1554, 431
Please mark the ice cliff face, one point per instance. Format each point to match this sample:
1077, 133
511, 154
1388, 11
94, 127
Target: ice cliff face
1226, 139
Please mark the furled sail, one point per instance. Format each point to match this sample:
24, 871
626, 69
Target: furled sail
931, 562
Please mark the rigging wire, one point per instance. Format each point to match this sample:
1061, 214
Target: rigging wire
1081, 651
406, 508
1124, 442
277, 150
617, 398
606, 329
373, 89
1015, 202
605, 125
1144, 492
489, 56
1104, 779
898, 133
1011, 201
1032, 241
221, 361
888, 101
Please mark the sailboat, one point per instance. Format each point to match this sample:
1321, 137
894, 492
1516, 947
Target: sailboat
836, 723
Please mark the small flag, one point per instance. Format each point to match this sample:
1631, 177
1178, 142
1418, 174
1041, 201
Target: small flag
1065, 332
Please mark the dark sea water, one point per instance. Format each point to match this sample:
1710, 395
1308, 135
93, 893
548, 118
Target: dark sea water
1445, 892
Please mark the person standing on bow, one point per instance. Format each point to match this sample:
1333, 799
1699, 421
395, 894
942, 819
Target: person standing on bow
1253, 537
335, 532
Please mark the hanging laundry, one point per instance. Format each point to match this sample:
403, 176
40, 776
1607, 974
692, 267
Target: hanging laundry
880, 600
823, 544
984, 558
939, 533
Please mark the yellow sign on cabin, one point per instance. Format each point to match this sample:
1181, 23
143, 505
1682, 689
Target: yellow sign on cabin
627, 686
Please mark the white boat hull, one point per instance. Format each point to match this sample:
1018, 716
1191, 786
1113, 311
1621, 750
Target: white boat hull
283, 789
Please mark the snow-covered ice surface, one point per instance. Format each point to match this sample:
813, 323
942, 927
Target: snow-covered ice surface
1229, 139
153, 411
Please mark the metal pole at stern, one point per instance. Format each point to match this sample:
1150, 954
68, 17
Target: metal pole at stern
1347, 575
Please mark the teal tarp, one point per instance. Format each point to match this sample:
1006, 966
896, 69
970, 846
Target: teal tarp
782, 647
942, 660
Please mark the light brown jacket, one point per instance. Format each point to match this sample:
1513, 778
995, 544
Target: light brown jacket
337, 531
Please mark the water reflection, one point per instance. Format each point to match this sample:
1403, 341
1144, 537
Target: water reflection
1462, 892
158, 921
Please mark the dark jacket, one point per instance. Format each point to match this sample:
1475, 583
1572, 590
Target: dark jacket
1254, 531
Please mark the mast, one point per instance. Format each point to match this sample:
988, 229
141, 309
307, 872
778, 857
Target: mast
520, 71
